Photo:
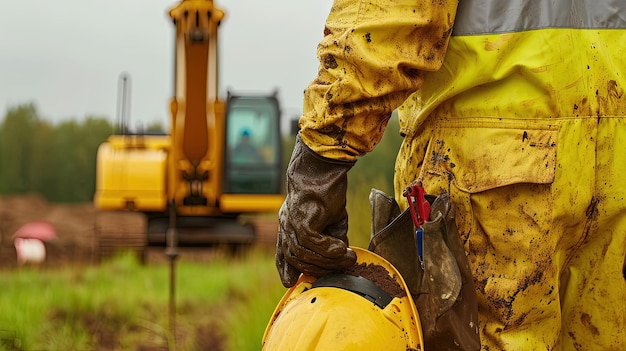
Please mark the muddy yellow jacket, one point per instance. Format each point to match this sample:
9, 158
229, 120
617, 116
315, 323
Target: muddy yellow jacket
517, 109
483, 58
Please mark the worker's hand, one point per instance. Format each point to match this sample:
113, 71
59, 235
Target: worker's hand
312, 236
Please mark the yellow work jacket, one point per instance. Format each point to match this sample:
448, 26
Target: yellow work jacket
517, 59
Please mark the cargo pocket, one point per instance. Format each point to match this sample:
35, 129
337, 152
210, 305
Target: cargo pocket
470, 159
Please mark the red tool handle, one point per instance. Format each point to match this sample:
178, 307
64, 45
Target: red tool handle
418, 205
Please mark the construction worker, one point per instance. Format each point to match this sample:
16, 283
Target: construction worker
517, 110
245, 152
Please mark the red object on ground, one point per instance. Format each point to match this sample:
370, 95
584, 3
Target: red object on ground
42, 230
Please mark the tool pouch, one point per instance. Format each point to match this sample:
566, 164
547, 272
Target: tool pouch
442, 288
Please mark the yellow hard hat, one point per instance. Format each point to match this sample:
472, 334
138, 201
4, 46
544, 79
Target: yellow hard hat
349, 310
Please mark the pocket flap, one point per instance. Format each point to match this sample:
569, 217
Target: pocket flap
480, 158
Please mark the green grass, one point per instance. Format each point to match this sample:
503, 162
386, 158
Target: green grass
122, 304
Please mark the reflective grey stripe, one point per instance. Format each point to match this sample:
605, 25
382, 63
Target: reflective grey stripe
503, 16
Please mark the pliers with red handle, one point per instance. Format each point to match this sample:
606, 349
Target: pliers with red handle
420, 212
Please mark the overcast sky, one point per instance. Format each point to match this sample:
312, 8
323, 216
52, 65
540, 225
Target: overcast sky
66, 56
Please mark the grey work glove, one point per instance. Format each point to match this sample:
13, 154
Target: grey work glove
312, 235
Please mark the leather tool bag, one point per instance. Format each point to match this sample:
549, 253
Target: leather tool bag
434, 266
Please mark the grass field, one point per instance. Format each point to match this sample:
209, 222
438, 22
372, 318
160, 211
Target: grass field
123, 305
222, 305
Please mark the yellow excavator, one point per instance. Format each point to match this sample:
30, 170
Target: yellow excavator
201, 183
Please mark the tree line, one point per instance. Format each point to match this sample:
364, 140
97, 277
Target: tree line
58, 161
55, 160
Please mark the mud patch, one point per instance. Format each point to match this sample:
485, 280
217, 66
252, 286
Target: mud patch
379, 275
209, 337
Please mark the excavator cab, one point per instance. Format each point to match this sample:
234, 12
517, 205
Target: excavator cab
253, 148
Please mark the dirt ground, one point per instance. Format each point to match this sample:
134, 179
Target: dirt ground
76, 245
74, 224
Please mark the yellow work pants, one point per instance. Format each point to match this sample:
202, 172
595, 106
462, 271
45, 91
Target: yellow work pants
542, 210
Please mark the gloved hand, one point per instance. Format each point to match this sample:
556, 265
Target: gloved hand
312, 235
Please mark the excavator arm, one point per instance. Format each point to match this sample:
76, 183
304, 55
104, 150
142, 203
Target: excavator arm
197, 114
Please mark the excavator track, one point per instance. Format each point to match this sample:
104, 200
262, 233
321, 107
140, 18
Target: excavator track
120, 232
123, 232
266, 231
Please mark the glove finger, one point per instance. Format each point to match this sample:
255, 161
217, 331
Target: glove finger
317, 271
308, 268
308, 223
288, 274
312, 263
301, 234
308, 250
328, 242
338, 230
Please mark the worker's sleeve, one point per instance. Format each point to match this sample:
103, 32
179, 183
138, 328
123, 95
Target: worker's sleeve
372, 57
